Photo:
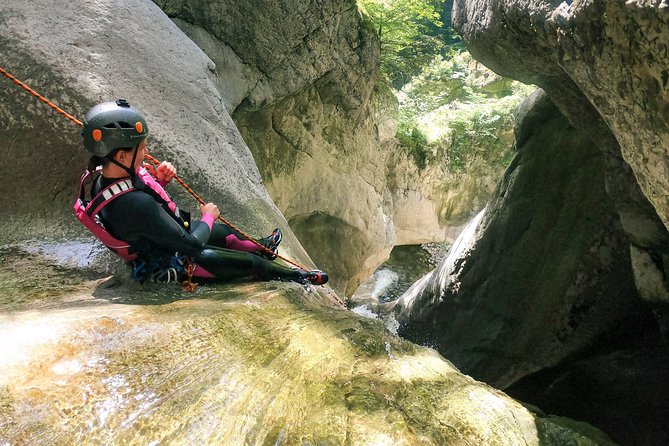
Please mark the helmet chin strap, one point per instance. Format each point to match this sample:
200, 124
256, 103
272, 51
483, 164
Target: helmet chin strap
131, 171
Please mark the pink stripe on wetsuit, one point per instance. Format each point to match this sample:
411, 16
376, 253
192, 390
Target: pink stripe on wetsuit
231, 241
208, 219
153, 184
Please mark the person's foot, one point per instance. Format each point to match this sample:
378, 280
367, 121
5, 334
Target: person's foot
316, 277
271, 242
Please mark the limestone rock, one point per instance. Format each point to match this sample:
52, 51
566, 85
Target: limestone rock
604, 64
548, 272
432, 204
103, 51
327, 176
244, 364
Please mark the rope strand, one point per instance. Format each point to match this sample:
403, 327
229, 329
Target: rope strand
40, 97
201, 201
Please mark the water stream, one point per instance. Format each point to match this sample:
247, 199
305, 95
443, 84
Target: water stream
405, 266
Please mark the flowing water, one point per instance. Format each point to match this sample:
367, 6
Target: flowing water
405, 265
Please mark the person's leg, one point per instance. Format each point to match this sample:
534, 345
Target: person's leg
223, 236
226, 264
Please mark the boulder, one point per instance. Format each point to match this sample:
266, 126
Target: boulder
259, 363
604, 65
106, 51
544, 272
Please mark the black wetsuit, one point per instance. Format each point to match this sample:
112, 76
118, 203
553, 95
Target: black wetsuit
138, 219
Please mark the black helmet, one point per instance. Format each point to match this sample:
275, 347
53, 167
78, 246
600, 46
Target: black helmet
112, 125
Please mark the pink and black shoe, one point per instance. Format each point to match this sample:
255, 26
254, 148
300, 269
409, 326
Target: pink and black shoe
316, 277
271, 242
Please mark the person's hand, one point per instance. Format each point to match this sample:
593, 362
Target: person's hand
166, 171
210, 208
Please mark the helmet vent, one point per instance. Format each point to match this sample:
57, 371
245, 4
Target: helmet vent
111, 125
125, 125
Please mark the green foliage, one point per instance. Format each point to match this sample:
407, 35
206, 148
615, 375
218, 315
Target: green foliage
451, 108
463, 111
411, 33
413, 140
474, 134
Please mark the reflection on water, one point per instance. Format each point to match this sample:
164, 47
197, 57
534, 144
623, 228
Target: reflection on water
77, 254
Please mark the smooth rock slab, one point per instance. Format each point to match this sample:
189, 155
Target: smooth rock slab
239, 364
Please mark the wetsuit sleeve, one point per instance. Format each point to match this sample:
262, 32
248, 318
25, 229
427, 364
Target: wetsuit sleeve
137, 216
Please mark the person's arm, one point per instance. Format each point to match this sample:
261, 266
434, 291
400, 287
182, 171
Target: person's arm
137, 216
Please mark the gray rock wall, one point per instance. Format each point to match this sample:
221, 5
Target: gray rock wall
325, 169
300, 77
288, 45
548, 275
103, 51
605, 65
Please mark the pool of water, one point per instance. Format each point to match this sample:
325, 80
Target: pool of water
405, 265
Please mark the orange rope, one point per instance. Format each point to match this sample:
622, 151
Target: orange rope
152, 159
201, 201
40, 97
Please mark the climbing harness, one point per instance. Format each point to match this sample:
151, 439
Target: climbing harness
80, 207
165, 269
87, 213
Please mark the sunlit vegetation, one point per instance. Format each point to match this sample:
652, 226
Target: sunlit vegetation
457, 111
411, 33
452, 109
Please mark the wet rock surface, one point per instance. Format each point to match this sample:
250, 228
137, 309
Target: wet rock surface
242, 363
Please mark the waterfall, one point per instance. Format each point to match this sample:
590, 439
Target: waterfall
445, 272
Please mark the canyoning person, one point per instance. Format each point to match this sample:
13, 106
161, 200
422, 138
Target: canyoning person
144, 226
